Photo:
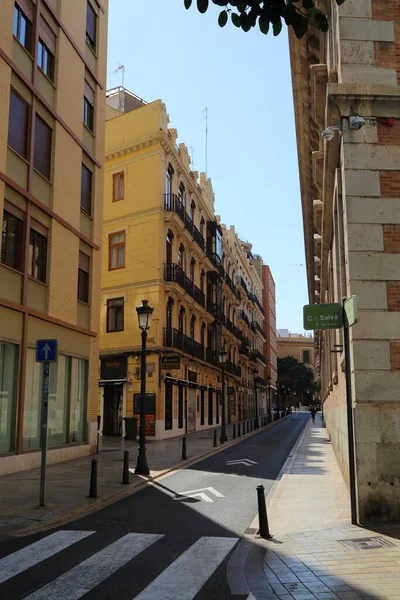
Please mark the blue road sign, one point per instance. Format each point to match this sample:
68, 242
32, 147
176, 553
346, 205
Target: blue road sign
46, 350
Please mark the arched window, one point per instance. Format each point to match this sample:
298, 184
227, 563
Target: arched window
202, 224
168, 247
192, 327
192, 210
168, 313
202, 278
192, 268
229, 311
181, 257
182, 194
168, 184
203, 334
182, 321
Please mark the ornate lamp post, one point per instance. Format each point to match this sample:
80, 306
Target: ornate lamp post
269, 378
144, 313
222, 359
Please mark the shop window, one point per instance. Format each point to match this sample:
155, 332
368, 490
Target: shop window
33, 402
8, 394
18, 119
78, 400
118, 187
58, 401
168, 419
202, 393
83, 277
11, 241
210, 407
116, 251
115, 315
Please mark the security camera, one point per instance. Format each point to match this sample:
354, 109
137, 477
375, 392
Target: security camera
356, 122
329, 133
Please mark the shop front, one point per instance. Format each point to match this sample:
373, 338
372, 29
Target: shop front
113, 378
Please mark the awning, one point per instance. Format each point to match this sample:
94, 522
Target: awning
104, 382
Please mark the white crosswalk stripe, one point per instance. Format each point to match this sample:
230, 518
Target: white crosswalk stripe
31, 555
185, 577
77, 582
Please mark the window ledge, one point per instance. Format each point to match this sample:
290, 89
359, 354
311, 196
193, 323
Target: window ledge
89, 130
47, 77
91, 50
115, 331
83, 303
23, 47
38, 280
87, 214
11, 268
19, 155
43, 176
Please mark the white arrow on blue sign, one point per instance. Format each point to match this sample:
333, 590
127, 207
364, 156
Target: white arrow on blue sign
46, 350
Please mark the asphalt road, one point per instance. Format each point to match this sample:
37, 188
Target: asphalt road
170, 541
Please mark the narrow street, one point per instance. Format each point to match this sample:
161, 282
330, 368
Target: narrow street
171, 541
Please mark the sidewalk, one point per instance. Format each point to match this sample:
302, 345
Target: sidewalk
315, 553
67, 484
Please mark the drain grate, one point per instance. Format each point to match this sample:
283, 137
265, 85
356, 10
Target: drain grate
368, 543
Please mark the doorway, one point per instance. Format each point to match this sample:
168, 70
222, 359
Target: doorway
112, 414
191, 409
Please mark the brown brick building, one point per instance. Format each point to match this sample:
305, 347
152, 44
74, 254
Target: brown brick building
52, 104
350, 187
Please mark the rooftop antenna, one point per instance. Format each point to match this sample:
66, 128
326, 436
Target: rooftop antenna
121, 68
206, 111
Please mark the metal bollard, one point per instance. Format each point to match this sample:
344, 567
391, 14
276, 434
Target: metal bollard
234, 432
93, 479
238, 429
215, 438
183, 448
262, 514
125, 471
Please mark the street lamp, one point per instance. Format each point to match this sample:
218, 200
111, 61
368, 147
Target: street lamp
222, 359
144, 313
269, 378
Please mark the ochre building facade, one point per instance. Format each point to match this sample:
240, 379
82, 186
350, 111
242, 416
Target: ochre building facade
52, 104
163, 242
351, 212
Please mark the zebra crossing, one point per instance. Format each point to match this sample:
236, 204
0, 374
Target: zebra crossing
182, 579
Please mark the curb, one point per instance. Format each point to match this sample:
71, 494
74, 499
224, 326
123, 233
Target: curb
112, 497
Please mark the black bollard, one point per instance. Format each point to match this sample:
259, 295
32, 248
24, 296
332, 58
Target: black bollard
215, 438
93, 479
125, 471
183, 448
262, 514
238, 429
234, 432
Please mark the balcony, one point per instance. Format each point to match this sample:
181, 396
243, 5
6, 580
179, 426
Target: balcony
244, 286
242, 315
174, 273
256, 301
212, 357
216, 311
256, 327
173, 204
261, 357
253, 356
261, 381
233, 369
213, 258
176, 339
233, 329
244, 349
232, 286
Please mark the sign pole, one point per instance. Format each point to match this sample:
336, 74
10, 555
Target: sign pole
45, 403
350, 424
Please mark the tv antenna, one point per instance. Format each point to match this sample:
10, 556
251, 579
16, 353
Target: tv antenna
121, 69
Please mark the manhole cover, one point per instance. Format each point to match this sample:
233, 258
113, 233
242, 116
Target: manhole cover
368, 543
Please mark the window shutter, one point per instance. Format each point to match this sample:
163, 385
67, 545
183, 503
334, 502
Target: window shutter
18, 124
84, 261
86, 190
42, 147
27, 7
47, 35
89, 93
39, 227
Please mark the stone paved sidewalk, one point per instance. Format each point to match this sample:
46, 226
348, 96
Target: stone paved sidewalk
67, 483
315, 553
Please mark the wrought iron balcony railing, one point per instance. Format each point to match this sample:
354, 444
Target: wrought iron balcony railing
173, 272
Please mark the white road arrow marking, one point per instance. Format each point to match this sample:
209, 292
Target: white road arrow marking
242, 461
200, 494
46, 350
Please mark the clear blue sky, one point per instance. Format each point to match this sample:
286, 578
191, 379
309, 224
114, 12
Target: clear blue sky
189, 62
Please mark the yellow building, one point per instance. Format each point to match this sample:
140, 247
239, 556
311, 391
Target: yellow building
301, 347
162, 242
52, 104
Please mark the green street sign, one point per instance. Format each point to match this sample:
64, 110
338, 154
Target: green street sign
322, 316
351, 311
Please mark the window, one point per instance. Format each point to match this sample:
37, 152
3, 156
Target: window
86, 190
83, 277
182, 194
192, 327
46, 60
306, 356
180, 406
79, 390
202, 224
118, 187
37, 255
8, 391
42, 147
202, 392
192, 210
59, 384
203, 335
88, 107
22, 28
168, 180
11, 241
116, 251
168, 247
181, 257
168, 402
192, 268
91, 26
210, 406
18, 124
115, 315
202, 278
168, 314
181, 321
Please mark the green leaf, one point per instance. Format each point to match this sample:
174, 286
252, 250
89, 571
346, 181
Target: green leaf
188, 3
321, 21
263, 23
202, 5
277, 27
236, 20
300, 27
223, 18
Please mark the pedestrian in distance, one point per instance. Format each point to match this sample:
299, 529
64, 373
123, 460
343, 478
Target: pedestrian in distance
313, 411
